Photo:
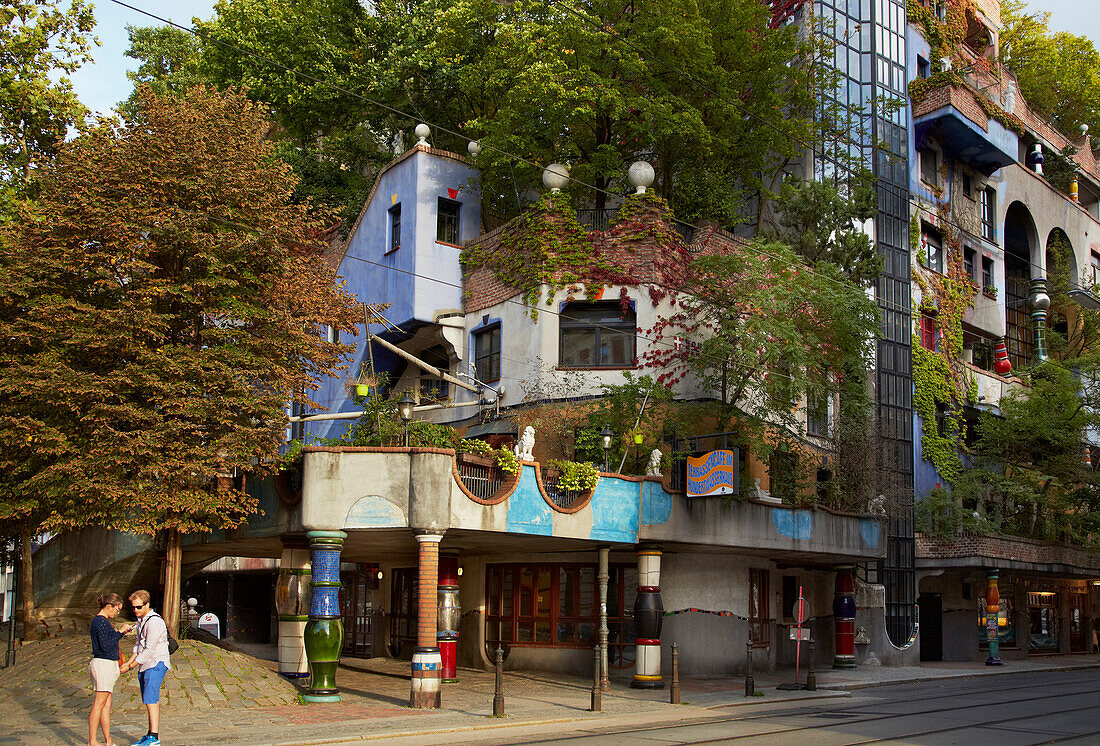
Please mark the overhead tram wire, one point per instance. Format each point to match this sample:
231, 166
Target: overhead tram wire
755, 249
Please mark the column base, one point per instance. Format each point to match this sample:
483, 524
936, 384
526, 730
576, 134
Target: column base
426, 669
844, 661
319, 699
647, 682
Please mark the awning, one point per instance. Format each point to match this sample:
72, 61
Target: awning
494, 427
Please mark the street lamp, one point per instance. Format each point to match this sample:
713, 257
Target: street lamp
606, 435
405, 408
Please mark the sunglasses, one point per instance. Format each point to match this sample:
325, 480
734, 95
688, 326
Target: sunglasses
138, 606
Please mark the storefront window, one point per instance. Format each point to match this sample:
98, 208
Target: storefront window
555, 605
1042, 620
1006, 628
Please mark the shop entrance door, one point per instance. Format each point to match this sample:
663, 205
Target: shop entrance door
931, 626
358, 611
1077, 605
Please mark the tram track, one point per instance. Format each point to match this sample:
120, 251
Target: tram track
854, 718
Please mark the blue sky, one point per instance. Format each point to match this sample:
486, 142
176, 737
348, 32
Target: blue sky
103, 84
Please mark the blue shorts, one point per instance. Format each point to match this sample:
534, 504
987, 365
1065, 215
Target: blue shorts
149, 683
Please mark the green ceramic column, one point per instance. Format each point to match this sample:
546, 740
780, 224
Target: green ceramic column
324, 634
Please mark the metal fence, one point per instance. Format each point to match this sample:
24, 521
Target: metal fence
561, 498
482, 480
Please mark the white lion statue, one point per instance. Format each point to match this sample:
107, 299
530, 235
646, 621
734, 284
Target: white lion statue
526, 445
653, 468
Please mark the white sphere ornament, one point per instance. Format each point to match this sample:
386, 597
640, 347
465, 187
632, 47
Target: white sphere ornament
192, 602
473, 148
555, 176
1041, 301
422, 131
639, 175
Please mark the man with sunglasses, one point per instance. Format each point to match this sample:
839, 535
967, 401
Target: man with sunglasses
150, 657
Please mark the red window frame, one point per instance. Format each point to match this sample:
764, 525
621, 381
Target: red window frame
928, 332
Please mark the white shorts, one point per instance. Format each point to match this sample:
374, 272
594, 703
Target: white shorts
104, 674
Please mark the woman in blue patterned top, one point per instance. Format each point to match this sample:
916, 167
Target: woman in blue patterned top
104, 665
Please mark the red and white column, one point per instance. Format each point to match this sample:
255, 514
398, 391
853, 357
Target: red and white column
449, 614
844, 619
649, 616
426, 662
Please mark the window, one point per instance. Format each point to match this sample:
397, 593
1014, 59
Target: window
987, 199
597, 335
759, 624
935, 252
969, 255
929, 167
817, 413
332, 334
395, 228
928, 332
446, 225
1095, 266
966, 185
790, 596
403, 608
555, 605
987, 272
487, 354
922, 67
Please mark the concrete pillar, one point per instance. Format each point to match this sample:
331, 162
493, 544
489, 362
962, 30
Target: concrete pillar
844, 619
324, 633
992, 617
649, 615
449, 614
426, 661
292, 604
602, 577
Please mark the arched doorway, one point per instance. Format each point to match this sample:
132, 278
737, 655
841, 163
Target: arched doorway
1021, 244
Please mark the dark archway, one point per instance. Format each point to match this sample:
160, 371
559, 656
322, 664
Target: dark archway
1021, 255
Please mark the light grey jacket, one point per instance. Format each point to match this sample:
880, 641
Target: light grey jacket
151, 646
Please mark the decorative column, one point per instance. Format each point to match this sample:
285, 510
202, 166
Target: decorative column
1040, 302
602, 577
292, 603
426, 662
324, 632
844, 619
992, 618
449, 615
649, 615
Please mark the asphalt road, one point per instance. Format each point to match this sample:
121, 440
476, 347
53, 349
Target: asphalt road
1053, 707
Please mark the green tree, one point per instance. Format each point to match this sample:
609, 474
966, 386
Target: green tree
169, 60
821, 222
160, 303
41, 42
1058, 72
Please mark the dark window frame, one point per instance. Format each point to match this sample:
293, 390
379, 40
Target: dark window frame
817, 412
448, 224
492, 373
969, 263
987, 201
988, 280
759, 618
571, 321
395, 228
935, 261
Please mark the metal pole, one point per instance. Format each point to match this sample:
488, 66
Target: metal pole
406, 433
674, 688
498, 695
9, 658
597, 694
811, 675
750, 684
602, 577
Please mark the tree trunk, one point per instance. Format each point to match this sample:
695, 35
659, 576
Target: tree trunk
26, 584
172, 569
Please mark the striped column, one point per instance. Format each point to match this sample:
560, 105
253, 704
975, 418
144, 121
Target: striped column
449, 615
426, 662
292, 601
324, 632
649, 616
992, 620
844, 619
1040, 302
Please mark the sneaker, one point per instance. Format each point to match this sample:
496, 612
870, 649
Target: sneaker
148, 740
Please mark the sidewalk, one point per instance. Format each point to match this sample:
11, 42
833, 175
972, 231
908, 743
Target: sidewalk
217, 696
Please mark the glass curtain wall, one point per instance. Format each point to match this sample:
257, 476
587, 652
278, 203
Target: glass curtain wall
870, 55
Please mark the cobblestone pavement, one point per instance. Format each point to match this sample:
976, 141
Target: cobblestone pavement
217, 697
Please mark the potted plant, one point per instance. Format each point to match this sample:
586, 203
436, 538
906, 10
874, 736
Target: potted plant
990, 291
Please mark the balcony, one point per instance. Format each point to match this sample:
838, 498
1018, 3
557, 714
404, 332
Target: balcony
955, 116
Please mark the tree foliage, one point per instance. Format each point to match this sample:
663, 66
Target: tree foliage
41, 42
1058, 72
169, 63
159, 305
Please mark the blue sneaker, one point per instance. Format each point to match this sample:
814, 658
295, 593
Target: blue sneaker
148, 740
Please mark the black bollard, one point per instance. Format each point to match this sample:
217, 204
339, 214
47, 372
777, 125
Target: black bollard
674, 689
811, 674
597, 692
750, 684
498, 695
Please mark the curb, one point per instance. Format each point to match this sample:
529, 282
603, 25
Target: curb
947, 677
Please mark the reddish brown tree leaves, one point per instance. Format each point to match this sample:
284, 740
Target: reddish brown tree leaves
158, 308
